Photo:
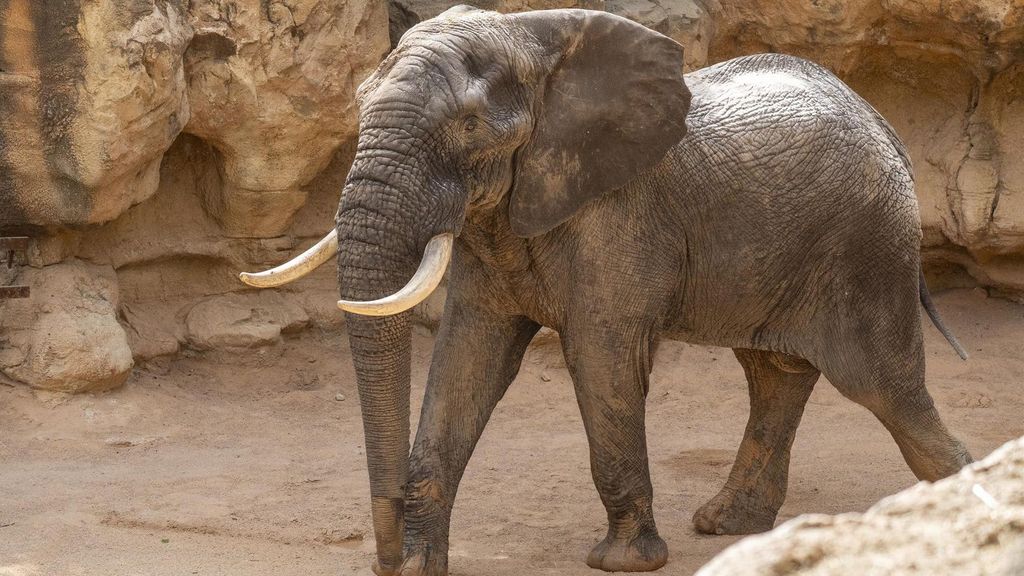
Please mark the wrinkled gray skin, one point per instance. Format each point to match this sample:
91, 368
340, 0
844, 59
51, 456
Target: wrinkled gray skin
782, 224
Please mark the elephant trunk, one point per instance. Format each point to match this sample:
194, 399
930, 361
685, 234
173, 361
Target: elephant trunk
378, 254
381, 354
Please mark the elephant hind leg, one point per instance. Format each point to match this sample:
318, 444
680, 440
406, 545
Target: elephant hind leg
892, 387
779, 386
929, 449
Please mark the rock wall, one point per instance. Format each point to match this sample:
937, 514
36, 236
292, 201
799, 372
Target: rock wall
272, 88
91, 96
153, 148
971, 524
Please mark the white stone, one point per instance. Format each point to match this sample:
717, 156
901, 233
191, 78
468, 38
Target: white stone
970, 524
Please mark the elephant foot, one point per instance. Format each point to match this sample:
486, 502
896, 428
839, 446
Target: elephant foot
423, 563
642, 553
734, 513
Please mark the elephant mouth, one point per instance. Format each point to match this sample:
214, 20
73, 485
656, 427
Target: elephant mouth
428, 276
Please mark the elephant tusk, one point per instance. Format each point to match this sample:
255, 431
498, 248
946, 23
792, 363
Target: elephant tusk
297, 267
435, 261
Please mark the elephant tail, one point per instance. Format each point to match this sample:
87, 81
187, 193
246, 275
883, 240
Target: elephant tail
933, 313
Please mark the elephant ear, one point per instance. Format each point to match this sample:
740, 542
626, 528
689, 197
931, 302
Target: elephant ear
613, 103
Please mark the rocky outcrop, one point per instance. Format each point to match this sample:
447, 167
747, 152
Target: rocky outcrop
92, 93
178, 275
272, 88
971, 524
101, 103
66, 338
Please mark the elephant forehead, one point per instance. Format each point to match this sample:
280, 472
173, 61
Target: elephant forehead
414, 85
440, 83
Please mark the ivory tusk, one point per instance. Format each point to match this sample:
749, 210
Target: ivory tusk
297, 267
435, 261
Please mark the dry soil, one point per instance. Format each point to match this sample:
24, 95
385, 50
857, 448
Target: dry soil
251, 464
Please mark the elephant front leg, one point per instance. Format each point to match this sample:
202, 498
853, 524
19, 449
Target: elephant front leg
779, 387
610, 371
476, 356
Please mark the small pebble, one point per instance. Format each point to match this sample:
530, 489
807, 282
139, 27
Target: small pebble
339, 397
544, 376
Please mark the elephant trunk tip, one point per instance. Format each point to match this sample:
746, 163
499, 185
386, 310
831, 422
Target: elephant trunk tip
388, 530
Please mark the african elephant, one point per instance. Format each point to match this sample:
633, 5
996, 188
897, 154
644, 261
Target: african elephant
577, 179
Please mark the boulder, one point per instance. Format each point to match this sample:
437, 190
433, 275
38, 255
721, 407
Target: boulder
92, 93
66, 337
244, 320
272, 87
970, 524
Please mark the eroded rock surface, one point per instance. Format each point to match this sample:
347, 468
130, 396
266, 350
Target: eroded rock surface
92, 93
272, 88
243, 320
966, 525
66, 338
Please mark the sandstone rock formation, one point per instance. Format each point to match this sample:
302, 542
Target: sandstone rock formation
93, 93
966, 525
66, 338
272, 88
91, 96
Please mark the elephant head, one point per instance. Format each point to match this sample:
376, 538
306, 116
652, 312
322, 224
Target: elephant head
532, 114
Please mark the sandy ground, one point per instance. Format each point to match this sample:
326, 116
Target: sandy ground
248, 465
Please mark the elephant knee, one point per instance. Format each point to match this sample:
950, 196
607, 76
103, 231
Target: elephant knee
426, 497
792, 364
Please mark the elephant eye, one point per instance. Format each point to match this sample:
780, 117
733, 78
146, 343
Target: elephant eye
470, 124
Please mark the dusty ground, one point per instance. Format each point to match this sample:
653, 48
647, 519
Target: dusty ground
248, 465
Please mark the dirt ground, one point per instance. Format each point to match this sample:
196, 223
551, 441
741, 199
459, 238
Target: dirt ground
248, 464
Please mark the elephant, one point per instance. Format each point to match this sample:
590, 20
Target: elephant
568, 174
